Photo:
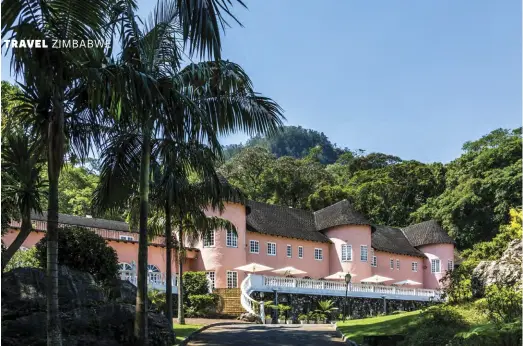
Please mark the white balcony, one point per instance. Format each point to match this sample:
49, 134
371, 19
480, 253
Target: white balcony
262, 283
157, 283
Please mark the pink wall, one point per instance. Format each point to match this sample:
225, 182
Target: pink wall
356, 236
444, 252
404, 273
315, 268
221, 258
30, 241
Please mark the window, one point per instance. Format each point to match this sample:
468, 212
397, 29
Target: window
255, 246
208, 240
271, 249
414, 266
232, 279
211, 276
391, 263
126, 271
398, 264
374, 259
346, 252
153, 274
289, 250
364, 253
300, 251
318, 254
126, 237
232, 239
450, 265
434, 266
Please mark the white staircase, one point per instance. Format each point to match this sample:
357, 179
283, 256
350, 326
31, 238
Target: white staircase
249, 304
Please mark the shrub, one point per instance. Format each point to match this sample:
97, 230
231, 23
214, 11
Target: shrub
194, 283
23, 258
83, 250
508, 334
157, 298
435, 326
503, 304
202, 305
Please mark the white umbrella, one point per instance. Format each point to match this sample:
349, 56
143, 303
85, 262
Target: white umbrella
289, 271
339, 276
407, 282
376, 279
253, 268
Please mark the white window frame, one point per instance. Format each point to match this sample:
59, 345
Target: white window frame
211, 276
318, 254
374, 259
212, 236
366, 247
414, 267
256, 245
289, 250
269, 247
391, 263
126, 237
300, 251
232, 281
433, 265
347, 255
397, 264
231, 239
450, 265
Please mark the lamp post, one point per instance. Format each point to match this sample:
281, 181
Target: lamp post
348, 277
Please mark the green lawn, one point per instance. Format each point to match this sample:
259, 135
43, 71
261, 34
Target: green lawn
382, 325
183, 331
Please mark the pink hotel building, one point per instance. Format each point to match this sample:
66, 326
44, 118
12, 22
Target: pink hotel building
334, 239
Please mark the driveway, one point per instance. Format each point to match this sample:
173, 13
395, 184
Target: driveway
259, 334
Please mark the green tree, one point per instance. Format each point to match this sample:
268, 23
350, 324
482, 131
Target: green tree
51, 77
481, 187
22, 185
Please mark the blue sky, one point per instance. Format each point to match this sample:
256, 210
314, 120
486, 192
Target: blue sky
411, 78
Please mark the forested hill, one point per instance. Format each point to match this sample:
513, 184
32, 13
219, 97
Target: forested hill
294, 141
471, 196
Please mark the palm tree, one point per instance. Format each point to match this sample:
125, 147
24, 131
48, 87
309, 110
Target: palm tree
22, 163
150, 94
52, 74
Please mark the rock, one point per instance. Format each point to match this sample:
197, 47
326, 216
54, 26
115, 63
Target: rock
505, 271
122, 291
247, 317
87, 315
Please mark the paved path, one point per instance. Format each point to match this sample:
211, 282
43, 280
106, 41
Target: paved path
259, 334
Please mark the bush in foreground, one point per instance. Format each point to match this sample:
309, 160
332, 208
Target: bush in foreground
83, 250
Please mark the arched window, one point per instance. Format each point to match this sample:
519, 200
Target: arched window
154, 274
126, 270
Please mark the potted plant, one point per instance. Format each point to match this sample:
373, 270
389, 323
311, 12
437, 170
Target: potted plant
303, 318
320, 318
281, 312
326, 308
311, 317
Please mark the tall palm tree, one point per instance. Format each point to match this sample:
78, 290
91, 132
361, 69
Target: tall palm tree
148, 90
22, 163
52, 73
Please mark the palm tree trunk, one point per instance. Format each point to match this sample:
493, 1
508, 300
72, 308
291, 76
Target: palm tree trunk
25, 230
181, 317
168, 260
140, 322
55, 159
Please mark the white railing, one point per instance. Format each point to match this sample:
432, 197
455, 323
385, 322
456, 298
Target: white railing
157, 284
247, 302
337, 288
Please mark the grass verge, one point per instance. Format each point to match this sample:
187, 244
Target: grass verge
183, 331
381, 325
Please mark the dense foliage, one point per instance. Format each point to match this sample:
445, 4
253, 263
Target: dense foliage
83, 250
23, 258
